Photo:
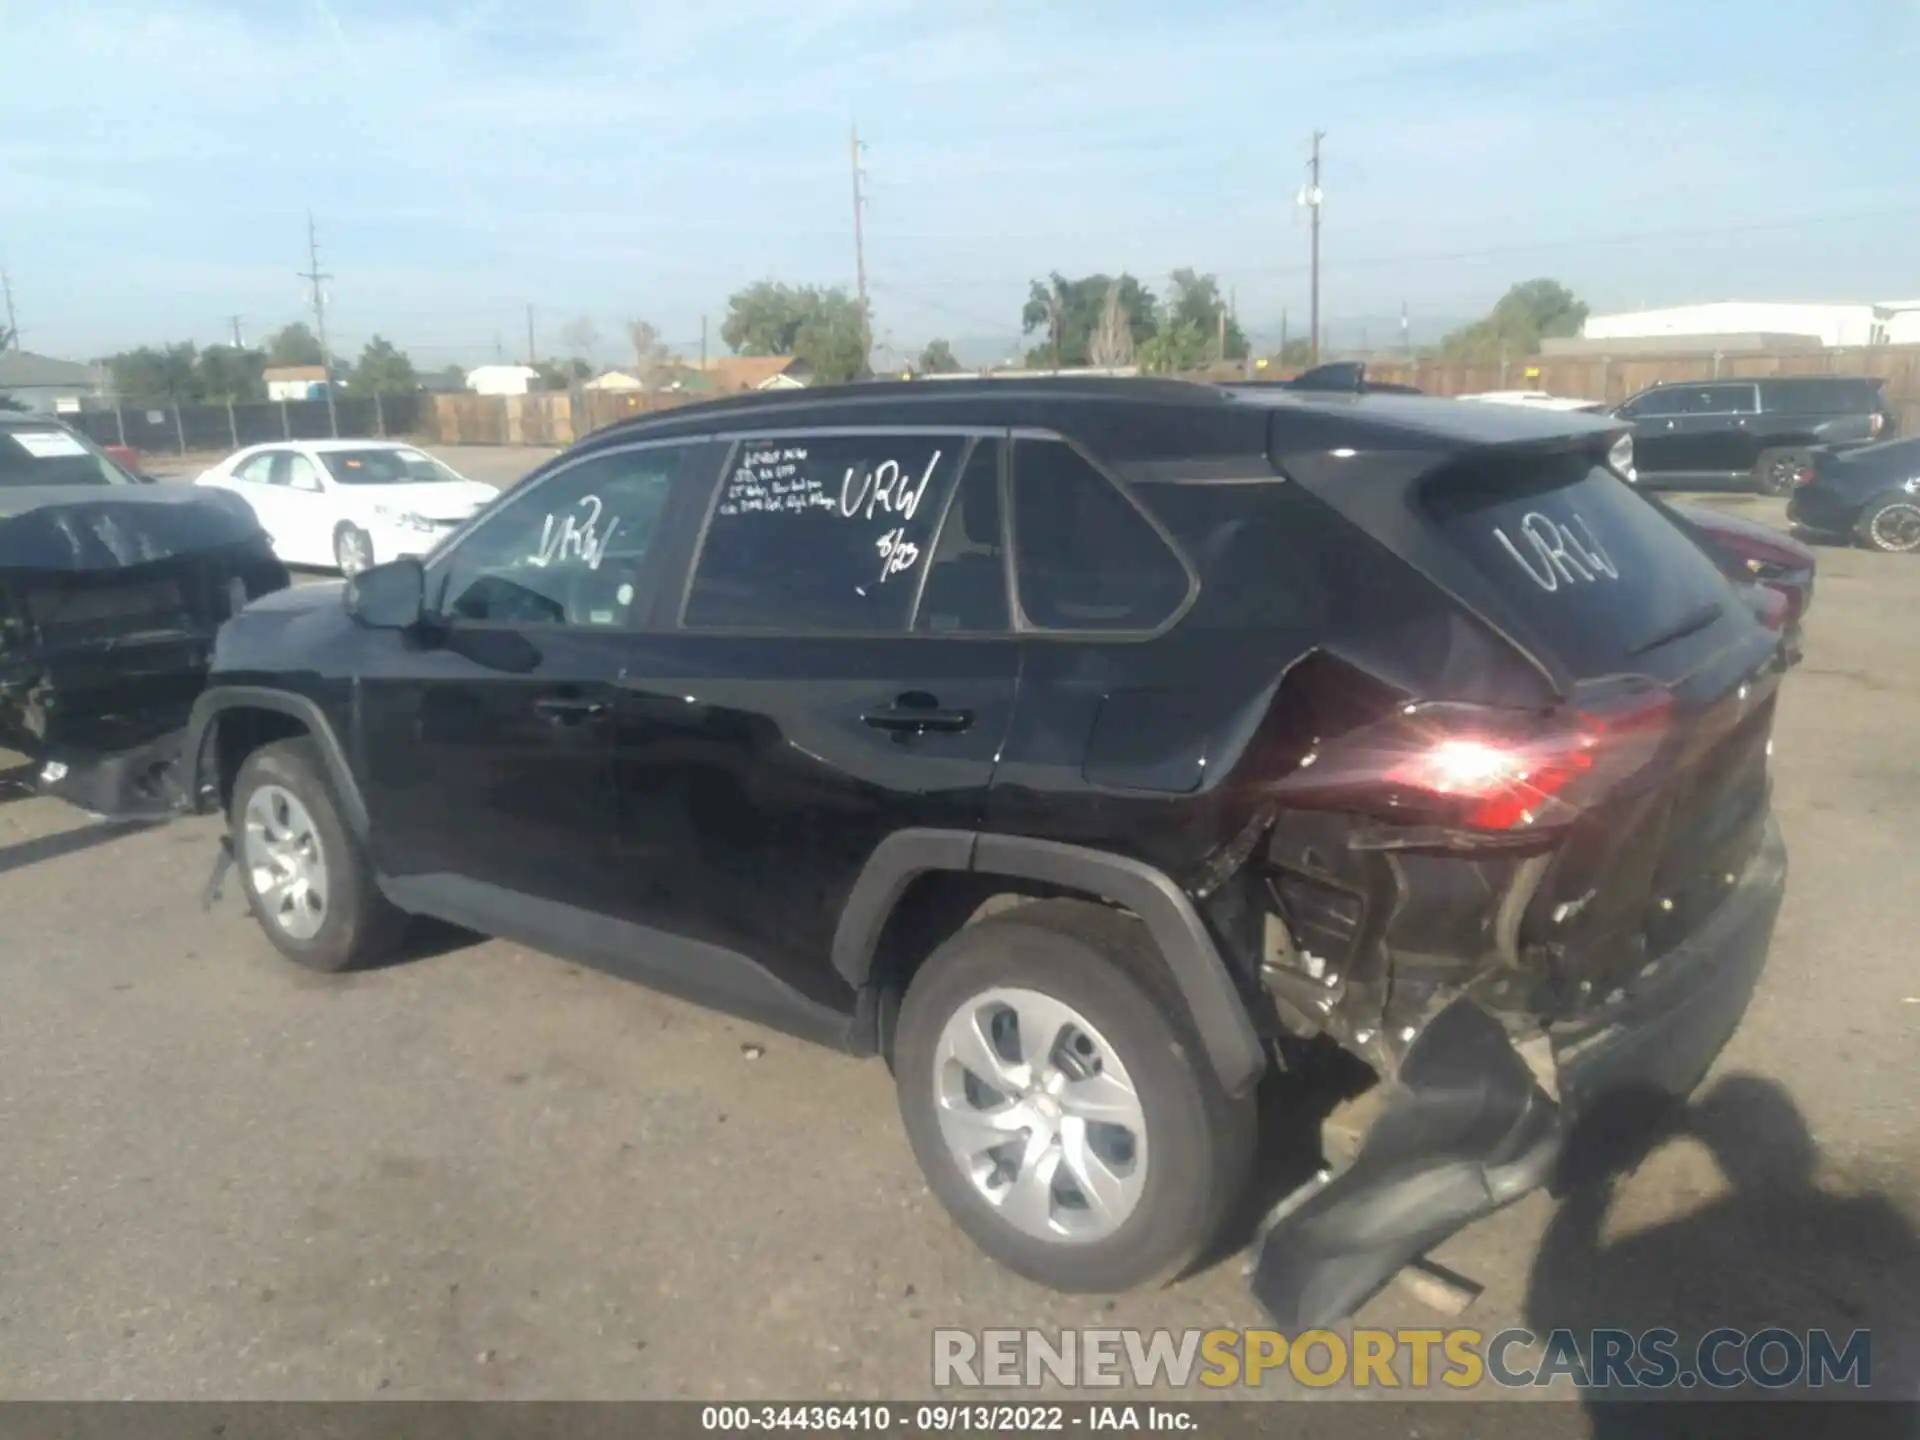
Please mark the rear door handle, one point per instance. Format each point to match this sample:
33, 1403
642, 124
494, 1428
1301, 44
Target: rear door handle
561, 710
910, 720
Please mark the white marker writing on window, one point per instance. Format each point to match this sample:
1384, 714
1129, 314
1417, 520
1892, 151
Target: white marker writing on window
1559, 554
885, 488
897, 553
575, 535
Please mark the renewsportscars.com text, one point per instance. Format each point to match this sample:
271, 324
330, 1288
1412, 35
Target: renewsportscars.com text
1459, 1359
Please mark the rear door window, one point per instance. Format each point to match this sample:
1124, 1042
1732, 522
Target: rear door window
1085, 555
822, 533
1586, 561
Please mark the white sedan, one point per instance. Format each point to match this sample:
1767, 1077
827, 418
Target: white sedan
348, 504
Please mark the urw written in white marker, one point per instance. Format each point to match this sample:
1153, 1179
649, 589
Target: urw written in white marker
885, 488
575, 535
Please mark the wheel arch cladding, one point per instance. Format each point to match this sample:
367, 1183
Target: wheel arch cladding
1185, 944
256, 715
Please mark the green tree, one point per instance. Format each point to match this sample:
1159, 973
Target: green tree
229, 374
293, 345
825, 328
1196, 300
166, 376
937, 359
1067, 312
1530, 312
1175, 348
384, 369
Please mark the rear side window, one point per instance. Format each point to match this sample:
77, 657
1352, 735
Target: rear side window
1587, 562
1086, 558
822, 533
1823, 397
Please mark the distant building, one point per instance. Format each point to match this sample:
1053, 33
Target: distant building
758, 372
503, 379
295, 382
1886, 322
44, 384
616, 380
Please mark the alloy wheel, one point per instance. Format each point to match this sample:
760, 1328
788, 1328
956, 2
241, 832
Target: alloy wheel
1039, 1113
285, 863
1896, 527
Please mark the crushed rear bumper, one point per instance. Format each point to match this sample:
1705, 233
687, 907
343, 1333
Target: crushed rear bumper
135, 784
1467, 1126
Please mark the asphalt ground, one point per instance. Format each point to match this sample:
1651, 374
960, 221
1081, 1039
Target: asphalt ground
487, 1173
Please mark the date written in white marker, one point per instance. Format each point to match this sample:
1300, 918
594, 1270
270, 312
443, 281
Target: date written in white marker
897, 553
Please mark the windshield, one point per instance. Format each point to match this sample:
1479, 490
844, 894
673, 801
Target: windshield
51, 456
385, 467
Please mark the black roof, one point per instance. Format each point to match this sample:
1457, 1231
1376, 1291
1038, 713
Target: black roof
1448, 421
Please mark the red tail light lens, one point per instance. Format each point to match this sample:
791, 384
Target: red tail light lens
1477, 769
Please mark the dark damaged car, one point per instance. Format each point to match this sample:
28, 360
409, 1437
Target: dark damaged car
1091, 750
111, 591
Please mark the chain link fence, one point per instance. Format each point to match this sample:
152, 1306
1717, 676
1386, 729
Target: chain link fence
181, 429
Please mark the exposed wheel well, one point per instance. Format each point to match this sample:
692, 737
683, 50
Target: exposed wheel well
238, 732
936, 906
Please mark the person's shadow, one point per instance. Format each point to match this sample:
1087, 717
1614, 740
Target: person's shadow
1778, 1251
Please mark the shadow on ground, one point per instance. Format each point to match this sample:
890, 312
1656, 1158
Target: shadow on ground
1778, 1250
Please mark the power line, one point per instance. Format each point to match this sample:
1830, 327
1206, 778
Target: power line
315, 275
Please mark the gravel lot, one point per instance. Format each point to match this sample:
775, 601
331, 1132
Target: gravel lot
486, 1173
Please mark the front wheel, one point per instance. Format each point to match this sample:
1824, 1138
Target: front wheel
1891, 525
1060, 1103
307, 880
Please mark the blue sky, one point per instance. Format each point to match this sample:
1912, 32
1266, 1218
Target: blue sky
158, 158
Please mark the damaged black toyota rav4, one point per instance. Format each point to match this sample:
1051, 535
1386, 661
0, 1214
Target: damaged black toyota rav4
1087, 749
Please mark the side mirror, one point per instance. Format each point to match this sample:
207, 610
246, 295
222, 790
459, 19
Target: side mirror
392, 596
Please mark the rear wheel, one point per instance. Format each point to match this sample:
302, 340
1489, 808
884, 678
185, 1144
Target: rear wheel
1776, 471
1891, 525
307, 880
352, 549
1060, 1103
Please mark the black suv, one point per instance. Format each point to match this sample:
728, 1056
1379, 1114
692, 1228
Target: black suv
1088, 749
1750, 433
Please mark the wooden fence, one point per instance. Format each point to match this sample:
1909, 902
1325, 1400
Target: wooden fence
558, 419
555, 418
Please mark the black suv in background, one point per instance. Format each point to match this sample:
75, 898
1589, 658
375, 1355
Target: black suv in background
1750, 434
1088, 749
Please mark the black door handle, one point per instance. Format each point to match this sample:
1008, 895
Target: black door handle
913, 720
563, 710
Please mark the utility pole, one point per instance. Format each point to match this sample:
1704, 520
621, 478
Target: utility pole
860, 251
1220, 344
1311, 198
531, 352
237, 343
703, 342
13, 325
1406, 333
1283, 336
314, 275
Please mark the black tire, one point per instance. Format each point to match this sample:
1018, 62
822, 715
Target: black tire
1890, 524
360, 926
1200, 1142
1774, 471
342, 535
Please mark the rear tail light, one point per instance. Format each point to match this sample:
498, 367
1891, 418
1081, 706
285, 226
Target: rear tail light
1876, 422
1467, 767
